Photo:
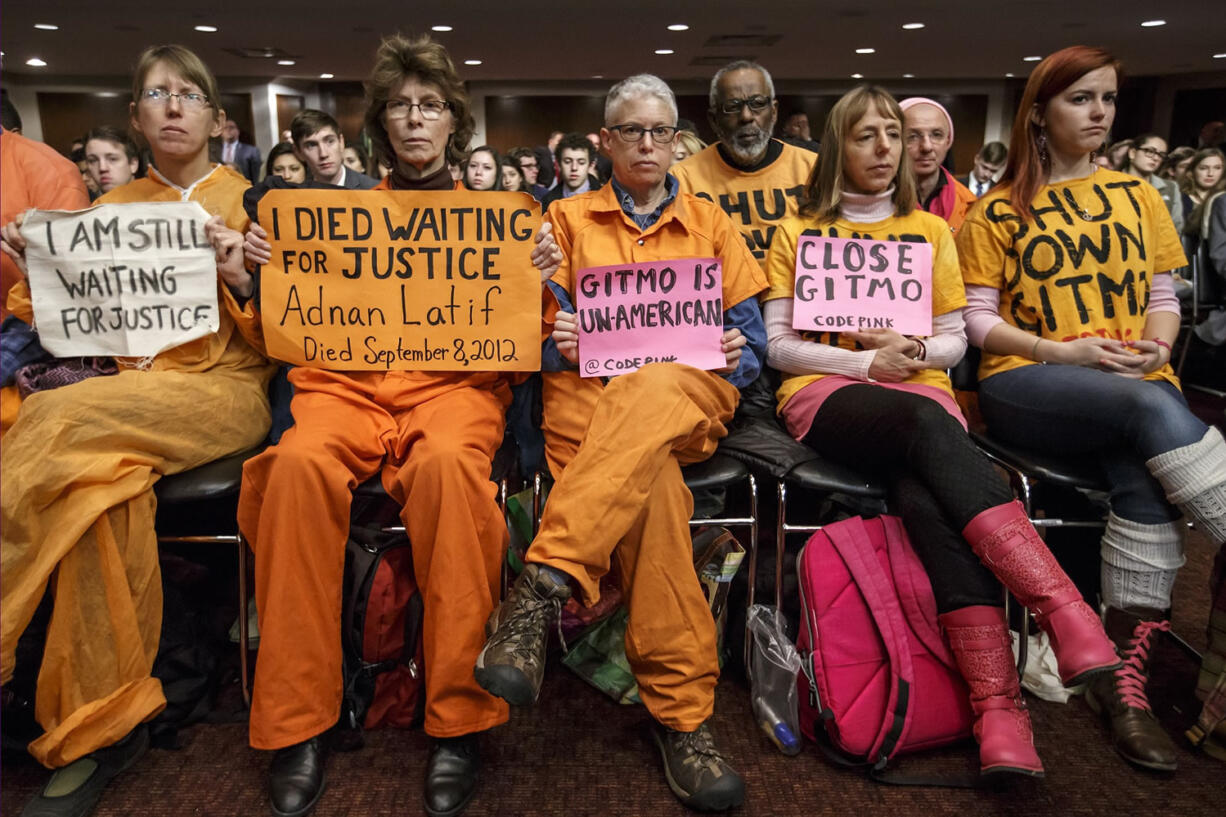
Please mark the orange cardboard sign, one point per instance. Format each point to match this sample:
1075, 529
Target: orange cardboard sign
412, 280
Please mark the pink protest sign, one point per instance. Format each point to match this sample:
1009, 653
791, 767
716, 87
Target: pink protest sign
630, 315
850, 284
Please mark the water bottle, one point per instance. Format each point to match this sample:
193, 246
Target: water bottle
775, 727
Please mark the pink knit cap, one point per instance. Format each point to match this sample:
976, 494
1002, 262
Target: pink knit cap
911, 102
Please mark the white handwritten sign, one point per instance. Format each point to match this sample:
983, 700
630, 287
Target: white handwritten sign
122, 280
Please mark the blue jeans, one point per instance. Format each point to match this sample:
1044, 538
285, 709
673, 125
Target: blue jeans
1080, 412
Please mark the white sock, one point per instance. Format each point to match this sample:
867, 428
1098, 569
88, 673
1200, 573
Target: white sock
1140, 563
1194, 478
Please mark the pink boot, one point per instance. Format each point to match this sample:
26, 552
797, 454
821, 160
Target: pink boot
1004, 540
979, 638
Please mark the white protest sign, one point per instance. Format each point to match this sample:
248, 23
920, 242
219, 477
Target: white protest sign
121, 280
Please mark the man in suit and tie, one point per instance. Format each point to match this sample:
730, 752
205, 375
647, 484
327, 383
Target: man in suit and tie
244, 157
318, 142
989, 161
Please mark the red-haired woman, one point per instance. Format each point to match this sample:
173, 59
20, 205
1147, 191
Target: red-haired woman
1068, 264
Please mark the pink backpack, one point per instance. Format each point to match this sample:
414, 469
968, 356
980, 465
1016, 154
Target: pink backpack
878, 677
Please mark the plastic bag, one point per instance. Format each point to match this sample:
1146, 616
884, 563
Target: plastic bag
773, 667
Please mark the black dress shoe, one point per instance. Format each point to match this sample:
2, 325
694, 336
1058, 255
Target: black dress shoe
74, 790
451, 775
296, 777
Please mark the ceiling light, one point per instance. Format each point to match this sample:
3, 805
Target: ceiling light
866, 51
1031, 59
857, 76
440, 28
107, 94
597, 76
1153, 23
1215, 56
912, 26
678, 27
285, 62
1009, 74
908, 76
472, 62
46, 27
325, 76
664, 52
207, 29
35, 62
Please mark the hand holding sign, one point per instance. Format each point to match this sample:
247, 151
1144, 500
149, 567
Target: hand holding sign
13, 244
546, 255
228, 246
566, 335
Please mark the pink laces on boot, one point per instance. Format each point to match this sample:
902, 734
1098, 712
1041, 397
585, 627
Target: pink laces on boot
1130, 679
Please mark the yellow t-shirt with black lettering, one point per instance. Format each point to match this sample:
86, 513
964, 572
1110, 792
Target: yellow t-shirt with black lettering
755, 200
1082, 267
917, 226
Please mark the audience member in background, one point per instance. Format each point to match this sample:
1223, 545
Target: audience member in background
989, 161
617, 448
10, 119
929, 133
483, 170
243, 156
688, 144
601, 168
574, 155
355, 159
79, 466
795, 130
112, 157
1146, 155
91, 184
882, 401
756, 180
530, 166
1176, 163
1212, 135
287, 135
284, 162
547, 170
321, 146
1117, 154
1113, 400
1204, 178
513, 176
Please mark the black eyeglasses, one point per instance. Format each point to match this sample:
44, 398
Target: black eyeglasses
430, 109
660, 134
1153, 153
757, 104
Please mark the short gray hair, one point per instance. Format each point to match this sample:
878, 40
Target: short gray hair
637, 86
738, 65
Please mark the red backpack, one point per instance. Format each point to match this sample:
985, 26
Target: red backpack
878, 678
381, 621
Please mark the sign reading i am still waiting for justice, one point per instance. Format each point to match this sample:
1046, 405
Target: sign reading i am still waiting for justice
121, 280
410, 280
657, 311
852, 284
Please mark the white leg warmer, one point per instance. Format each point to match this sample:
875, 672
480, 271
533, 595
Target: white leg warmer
1194, 478
1140, 563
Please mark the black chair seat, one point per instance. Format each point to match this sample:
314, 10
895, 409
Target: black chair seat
371, 488
717, 472
215, 480
822, 475
1076, 472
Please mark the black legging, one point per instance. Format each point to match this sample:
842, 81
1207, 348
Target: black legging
939, 481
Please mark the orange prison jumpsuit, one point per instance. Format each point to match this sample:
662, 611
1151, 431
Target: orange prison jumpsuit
617, 451
435, 435
77, 503
34, 175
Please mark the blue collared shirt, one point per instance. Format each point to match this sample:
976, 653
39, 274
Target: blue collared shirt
644, 221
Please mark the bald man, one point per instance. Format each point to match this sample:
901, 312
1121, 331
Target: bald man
929, 133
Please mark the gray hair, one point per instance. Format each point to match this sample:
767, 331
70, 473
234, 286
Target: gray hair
738, 65
639, 85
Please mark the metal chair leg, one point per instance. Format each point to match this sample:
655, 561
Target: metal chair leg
243, 635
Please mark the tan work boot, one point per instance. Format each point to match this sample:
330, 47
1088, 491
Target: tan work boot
512, 663
696, 772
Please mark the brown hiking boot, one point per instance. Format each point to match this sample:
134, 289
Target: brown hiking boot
512, 663
1120, 698
696, 772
